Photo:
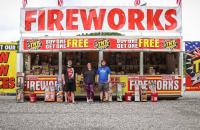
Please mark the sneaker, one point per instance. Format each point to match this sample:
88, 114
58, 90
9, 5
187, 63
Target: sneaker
88, 101
74, 102
101, 101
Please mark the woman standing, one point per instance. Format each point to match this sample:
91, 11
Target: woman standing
89, 80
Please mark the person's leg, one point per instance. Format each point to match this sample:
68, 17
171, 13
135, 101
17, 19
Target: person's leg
88, 92
106, 95
106, 91
101, 91
91, 92
73, 97
66, 93
72, 91
101, 95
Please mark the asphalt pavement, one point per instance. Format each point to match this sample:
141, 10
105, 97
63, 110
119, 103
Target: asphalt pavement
180, 114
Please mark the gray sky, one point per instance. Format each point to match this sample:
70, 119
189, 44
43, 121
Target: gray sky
10, 14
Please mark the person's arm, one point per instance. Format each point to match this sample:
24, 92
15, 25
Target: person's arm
109, 71
108, 78
97, 73
63, 79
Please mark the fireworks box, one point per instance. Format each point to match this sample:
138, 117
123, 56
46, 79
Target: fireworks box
49, 94
119, 92
143, 95
69, 97
59, 96
20, 87
19, 95
59, 93
137, 93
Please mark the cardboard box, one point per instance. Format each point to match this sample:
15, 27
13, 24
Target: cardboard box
143, 95
59, 96
49, 94
136, 93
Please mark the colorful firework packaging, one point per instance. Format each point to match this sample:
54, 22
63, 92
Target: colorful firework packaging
49, 94
59, 91
192, 64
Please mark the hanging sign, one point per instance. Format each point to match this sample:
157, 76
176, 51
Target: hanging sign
106, 19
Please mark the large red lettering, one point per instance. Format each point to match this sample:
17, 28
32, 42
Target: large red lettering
97, 20
70, 19
11, 83
135, 18
154, 19
4, 70
41, 20
169, 17
29, 19
4, 57
7, 83
111, 19
55, 21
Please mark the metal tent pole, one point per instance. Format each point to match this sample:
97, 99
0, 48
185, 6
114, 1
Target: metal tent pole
100, 57
60, 64
181, 72
142, 63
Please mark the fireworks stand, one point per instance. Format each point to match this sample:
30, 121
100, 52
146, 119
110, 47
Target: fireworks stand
139, 58
133, 60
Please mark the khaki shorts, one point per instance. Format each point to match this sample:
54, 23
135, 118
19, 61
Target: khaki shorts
103, 87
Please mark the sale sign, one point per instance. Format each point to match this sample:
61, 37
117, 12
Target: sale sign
38, 83
165, 84
102, 43
192, 65
8, 57
95, 19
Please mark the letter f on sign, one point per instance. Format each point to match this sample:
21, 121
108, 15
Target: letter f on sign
29, 19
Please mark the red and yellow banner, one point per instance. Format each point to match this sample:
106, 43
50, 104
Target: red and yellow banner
165, 84
8, 57
102, 43
39, 82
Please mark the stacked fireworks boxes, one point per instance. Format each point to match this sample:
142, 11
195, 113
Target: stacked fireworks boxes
59, 91
49, 93
143, 92
154, 94
20, 87
137, 92
140, 93
120, 86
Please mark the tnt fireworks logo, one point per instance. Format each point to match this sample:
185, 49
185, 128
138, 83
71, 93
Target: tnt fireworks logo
102, 44
34, 44
193, 61
170, 44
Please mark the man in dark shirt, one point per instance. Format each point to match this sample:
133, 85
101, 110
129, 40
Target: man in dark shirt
70, 78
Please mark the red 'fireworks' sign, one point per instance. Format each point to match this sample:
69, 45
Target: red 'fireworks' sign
101, 43
101, 19
38, 83
165, 84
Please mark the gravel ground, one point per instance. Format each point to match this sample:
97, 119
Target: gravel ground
179, 114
